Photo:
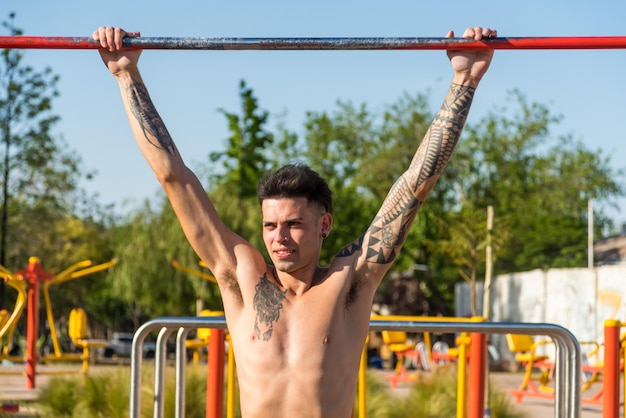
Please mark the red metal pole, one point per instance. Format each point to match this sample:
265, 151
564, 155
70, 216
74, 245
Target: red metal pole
402, 43
215, 376
611, 372
33, 274
32, 331
477, 374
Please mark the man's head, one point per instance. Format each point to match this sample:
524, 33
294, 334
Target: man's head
297, 180
296, 203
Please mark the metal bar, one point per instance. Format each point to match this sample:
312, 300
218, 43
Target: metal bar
160, 359
568, 355
367, 43
181, 362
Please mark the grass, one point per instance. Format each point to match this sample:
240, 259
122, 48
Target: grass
432, 396
106, 394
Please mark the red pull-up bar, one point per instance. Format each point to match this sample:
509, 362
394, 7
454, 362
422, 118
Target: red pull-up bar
217, 43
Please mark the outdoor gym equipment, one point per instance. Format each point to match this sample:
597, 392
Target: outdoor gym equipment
539, 367
77, 270
8, 322
198, 273
27, 283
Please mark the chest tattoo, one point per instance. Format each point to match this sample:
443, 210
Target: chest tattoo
267, 303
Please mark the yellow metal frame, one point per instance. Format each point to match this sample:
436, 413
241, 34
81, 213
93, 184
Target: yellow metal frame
524, 348
9, 321
77, 330
203, 337
397, 343
198, 273
75, 271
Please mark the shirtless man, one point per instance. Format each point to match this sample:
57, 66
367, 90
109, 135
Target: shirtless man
297, 328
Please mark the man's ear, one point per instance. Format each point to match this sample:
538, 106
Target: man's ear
327, 223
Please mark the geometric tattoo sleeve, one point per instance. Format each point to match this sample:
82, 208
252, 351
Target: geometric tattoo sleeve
390, 227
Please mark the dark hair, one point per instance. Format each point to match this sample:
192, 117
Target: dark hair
296, 180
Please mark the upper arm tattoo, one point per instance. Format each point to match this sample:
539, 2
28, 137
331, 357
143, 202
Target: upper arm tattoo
151, 124
391, 225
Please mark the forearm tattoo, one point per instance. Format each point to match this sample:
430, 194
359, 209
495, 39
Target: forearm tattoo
143, 109
391, 225
267, 303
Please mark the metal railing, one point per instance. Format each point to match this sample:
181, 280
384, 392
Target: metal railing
567, 358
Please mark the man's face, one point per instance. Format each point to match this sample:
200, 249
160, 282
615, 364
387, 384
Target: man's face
292, 232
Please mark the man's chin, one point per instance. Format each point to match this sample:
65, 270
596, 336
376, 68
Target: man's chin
283, 266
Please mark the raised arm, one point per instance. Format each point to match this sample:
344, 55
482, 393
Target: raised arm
380, 244
212, 241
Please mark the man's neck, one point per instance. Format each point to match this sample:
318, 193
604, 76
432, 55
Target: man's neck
298, 283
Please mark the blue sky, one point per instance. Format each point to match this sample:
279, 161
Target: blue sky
585, 87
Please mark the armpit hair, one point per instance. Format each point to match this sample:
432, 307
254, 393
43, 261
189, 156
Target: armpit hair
230, 280
354, 291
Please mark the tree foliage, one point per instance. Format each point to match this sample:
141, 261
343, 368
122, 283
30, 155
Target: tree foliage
144, 282
43, 211
335, 145
244, 160
540, 185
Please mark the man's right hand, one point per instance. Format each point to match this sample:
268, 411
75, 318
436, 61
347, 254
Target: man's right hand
470, 65
114, 57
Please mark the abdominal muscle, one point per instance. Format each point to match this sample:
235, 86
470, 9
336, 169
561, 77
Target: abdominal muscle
309, 372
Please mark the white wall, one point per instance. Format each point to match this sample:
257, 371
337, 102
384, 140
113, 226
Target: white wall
577, 299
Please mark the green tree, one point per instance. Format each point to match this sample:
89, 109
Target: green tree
39, 173
336, 145
465, 242
540, 184
245, 159
362, 153
248, 156
144, 284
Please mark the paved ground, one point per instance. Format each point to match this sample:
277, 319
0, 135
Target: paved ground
535, 407
13, 389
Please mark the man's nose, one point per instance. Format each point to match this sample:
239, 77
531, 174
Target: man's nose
282, 234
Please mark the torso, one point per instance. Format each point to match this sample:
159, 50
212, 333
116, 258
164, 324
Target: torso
303, 359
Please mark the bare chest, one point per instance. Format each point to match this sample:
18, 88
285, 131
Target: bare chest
288, 330
295, 347
308, 362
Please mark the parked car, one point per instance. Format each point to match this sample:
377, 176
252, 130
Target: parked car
121, 346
